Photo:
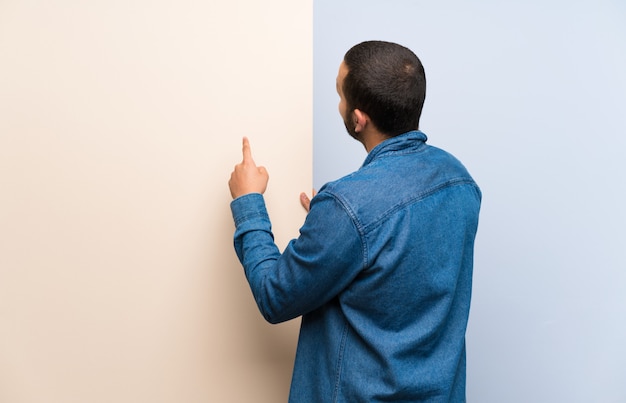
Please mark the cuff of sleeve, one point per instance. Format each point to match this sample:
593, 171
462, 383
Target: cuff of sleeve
249, 207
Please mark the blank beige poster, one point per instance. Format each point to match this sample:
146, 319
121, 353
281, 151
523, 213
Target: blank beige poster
120, 122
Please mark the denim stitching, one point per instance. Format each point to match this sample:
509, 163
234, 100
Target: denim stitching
359, 227
342, 346
451, 183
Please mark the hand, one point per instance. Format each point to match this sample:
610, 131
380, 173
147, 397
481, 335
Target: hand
305, 201
247, 177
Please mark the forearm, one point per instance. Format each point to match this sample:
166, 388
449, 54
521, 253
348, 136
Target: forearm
255, 248
310, 271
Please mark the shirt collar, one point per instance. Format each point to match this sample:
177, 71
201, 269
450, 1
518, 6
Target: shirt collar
404, 142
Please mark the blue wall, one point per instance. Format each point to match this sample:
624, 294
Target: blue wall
531, 96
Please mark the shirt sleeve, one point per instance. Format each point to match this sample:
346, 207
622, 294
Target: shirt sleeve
312, 270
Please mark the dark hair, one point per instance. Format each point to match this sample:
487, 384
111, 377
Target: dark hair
387, 82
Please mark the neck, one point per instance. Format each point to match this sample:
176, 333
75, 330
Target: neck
372, 138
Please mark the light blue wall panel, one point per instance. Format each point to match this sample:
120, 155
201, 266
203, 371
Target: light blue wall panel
531, 96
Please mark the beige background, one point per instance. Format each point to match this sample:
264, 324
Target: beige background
120, 122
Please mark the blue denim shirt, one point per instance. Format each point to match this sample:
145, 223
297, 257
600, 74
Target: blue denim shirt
381, 274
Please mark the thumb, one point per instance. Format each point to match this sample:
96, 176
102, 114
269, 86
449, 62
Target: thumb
305, 201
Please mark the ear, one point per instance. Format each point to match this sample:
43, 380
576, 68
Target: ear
360, 120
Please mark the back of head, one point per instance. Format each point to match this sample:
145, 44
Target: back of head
386, 81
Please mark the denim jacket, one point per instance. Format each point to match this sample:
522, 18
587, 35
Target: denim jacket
381, 274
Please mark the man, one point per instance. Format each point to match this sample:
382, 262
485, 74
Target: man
381, 272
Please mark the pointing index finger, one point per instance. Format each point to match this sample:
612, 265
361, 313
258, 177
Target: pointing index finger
247, 152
